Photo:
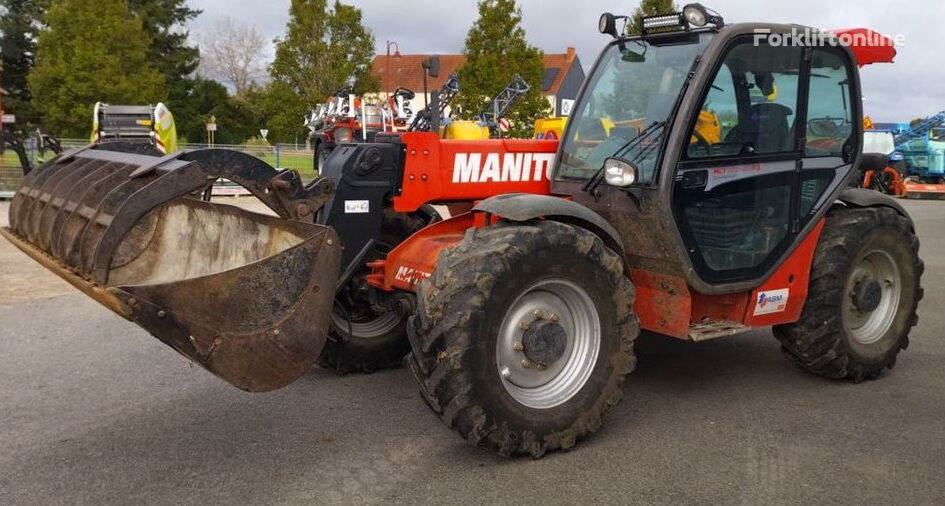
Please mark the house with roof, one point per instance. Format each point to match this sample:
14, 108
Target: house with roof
562, 79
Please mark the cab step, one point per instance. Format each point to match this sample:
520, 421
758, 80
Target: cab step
712, 329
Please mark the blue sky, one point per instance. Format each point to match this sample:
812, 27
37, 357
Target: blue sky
913, 86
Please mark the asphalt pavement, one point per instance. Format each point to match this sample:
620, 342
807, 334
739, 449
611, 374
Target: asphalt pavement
93, 410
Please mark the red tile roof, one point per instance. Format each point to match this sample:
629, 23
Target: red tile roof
406, 71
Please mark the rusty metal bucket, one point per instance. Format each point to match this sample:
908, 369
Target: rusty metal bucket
246, 296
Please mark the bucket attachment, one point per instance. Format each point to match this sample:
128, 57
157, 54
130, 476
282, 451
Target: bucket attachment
245, 295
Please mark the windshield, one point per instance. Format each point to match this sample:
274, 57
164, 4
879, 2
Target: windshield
938, 134
632, 91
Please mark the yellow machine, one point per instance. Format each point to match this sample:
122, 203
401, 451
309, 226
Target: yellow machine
488, 124
550, 128
135, 123
465, 130
707, 125
708, 128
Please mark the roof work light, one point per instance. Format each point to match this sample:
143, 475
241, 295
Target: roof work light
697, 15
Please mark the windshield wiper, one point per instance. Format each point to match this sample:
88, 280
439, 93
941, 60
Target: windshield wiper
598, 176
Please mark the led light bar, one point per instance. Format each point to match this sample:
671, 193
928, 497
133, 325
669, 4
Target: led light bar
676, 21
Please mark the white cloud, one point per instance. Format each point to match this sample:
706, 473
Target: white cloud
909, 88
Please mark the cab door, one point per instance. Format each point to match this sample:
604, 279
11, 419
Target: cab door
774, 138
831, 132
735, 189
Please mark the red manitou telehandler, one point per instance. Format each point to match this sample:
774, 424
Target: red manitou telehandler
518, 311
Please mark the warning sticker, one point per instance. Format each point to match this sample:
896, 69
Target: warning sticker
356, 206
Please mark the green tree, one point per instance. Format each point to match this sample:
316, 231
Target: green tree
496, 49
649, 8
90, 51
278, 108
164, 21
19, 24
208, 98
324, 49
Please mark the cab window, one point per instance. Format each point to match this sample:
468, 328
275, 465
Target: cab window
750, 108
626, 103
829, 111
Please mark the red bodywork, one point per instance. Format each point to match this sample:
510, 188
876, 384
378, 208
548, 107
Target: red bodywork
918, 190
868, 46
446, 170
665, 304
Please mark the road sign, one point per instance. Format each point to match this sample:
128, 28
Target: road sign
264, 132
8, 119
211, 127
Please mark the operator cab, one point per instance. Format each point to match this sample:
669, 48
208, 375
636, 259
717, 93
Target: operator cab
712, 147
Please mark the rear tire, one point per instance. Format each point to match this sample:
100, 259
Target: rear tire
862, 299
480, 316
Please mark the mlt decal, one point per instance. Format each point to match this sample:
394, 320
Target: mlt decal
410, 275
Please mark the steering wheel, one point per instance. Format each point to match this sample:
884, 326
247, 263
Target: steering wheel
700, 140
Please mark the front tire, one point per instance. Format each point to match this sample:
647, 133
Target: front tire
862, 299
362, 339
523, 335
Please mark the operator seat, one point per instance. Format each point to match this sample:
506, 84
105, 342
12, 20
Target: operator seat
766, 128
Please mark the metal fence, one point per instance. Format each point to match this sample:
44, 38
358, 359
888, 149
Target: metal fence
280, 156
10, 178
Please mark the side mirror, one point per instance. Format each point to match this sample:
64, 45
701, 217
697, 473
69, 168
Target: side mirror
608, 24
824, 127
619, 172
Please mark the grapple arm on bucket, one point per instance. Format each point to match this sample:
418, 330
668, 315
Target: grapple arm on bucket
245, 295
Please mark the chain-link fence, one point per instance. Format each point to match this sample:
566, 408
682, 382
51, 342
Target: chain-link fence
281, 156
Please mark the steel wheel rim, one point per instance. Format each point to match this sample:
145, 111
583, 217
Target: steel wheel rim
563, 303
374, 326
366, 329
868, 327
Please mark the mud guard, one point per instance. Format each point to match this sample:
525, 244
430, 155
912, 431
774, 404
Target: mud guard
527, 206
863, 197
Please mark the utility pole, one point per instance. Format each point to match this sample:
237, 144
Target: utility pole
1, 94
387, 84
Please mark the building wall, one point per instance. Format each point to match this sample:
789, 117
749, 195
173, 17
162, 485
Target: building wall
570, 86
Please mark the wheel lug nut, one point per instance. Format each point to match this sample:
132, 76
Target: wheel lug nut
538, 314
554, 317
541, 367
526, 363
523, 325
517, 346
